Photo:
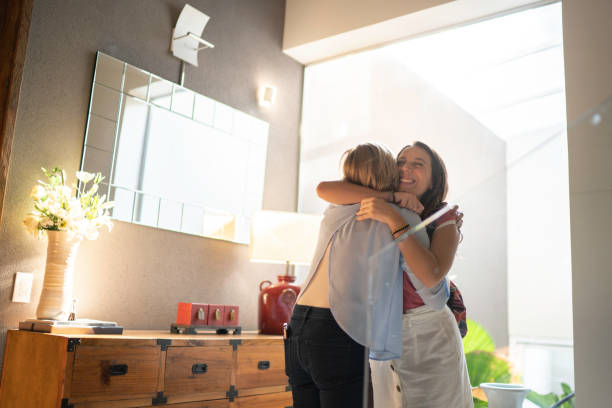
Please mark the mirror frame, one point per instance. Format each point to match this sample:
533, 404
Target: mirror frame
105, 118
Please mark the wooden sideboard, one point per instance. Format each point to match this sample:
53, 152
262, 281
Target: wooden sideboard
143, 369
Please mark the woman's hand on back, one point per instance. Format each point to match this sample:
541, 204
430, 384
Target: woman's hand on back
409, 201
377, 209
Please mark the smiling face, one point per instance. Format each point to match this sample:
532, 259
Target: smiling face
414, 165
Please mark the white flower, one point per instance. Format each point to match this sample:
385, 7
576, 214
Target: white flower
46, 223
37, 192
32, 223
84, 176
60, 213
66, 191
57, 208
53, 207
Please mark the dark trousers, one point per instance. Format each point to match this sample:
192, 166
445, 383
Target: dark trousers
326, 368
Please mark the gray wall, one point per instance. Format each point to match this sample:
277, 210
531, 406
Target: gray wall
588, 82
135, 275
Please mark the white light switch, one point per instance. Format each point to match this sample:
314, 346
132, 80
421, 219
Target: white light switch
23, 287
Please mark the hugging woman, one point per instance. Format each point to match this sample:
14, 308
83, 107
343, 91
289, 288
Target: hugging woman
324, 348
431, 372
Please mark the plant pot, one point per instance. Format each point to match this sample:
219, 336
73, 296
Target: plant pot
56, 296
505, 395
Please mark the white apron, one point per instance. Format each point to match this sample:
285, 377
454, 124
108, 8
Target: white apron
432, 372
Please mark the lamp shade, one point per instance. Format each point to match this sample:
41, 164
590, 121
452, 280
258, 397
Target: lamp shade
281, 237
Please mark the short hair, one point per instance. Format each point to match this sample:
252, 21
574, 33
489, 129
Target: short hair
372, 166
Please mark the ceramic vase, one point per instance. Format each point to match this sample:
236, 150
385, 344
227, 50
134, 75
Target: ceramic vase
56, 296
276, 303
505, 395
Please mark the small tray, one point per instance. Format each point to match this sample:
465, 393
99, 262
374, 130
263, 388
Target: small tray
194, 329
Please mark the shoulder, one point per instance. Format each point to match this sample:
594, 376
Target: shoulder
410, 216
338, 214
449, 217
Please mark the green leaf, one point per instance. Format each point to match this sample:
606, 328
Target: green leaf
484, 366
547, 400
567, 390
477, 338
478, 403
99, 177
542, 400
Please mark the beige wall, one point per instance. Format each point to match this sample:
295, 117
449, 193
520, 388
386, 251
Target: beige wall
135, 275
312, 20
588, 76
316, 30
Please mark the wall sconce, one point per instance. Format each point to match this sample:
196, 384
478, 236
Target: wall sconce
266, 95
186, 39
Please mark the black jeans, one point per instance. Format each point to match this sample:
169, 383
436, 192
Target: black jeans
324, 365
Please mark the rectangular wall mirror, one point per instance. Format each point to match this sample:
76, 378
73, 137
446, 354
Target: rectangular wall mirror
172, 158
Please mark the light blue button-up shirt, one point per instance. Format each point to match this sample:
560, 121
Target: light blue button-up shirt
365, 278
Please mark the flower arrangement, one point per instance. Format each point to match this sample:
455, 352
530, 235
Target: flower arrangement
76, 210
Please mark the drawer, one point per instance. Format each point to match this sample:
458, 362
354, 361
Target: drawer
276, 400
261, 366
201, 404
112, 373
198, 370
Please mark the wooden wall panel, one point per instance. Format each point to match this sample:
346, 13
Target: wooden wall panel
15, 18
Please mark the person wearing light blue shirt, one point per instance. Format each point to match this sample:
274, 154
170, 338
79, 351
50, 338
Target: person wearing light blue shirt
432, 371
352, 297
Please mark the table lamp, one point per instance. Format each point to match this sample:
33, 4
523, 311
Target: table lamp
287, 238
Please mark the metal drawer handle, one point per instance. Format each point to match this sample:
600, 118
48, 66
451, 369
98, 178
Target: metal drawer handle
263, 365
199, 368
118, 369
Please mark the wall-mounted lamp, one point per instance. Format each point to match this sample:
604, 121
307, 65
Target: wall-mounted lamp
266, 95
186, 37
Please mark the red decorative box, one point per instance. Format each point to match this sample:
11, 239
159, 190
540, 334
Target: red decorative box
192, 318
183, 315
192, 314
199, 314
230, 316
216, 315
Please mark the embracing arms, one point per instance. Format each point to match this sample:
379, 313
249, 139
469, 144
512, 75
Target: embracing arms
344, 192
431, 264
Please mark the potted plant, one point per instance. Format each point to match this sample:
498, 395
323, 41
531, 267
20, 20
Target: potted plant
65, 215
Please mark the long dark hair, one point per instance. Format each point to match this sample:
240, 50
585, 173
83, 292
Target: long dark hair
433, 198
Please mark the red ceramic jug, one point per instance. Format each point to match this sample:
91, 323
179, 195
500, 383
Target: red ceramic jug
276, 303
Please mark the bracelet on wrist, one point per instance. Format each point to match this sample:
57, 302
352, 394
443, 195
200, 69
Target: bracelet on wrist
400, 229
